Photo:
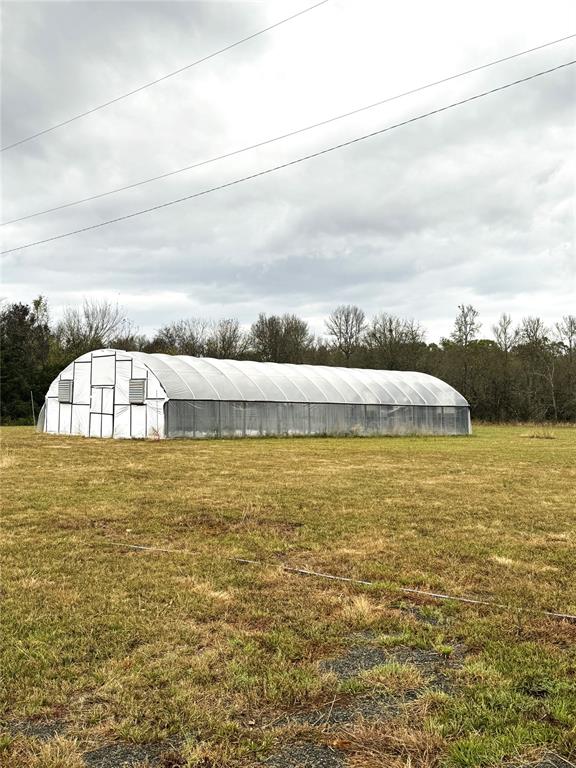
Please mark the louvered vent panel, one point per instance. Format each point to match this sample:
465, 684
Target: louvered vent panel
137, 390
65, 391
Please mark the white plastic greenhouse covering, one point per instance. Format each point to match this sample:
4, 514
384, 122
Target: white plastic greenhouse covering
111, 393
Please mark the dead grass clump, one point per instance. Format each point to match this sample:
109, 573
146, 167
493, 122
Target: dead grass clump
359, 612
204, 589
394, 743
59, 752
541, 433
7, 460
502, 560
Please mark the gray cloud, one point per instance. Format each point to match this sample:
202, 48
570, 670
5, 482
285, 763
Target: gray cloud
475, 204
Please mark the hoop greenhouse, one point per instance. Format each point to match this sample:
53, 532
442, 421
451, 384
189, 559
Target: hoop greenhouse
110, 393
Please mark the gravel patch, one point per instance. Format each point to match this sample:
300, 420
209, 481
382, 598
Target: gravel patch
358, 658
123, 755
434, 666
163, 754
549, 761
344, 711
306, 754
44, 730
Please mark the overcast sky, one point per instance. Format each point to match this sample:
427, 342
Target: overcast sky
474, 205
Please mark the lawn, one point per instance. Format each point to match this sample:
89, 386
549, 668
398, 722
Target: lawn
191, 658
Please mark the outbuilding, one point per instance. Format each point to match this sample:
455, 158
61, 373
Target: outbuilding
111, 393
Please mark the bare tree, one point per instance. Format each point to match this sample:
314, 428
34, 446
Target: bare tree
265, 337
346, 325
131, 342
566, 332
95, 324
226, 340
394, 340
533, 331
183, 337
280, 339
506, 336
464, 334
466, 325
297, 338
538, 355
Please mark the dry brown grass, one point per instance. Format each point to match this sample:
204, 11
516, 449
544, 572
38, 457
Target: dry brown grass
542, 432
401, 742
137, 646
59, 752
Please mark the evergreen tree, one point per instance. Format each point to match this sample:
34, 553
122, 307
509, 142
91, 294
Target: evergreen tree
25, 373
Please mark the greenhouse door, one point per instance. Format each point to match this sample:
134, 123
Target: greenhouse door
101, 411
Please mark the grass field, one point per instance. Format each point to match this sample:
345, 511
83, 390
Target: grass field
191, 659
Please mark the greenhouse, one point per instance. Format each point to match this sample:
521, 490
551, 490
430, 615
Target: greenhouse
110, 393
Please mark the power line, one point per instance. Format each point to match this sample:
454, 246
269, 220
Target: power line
291, 162
164, 77
285, 135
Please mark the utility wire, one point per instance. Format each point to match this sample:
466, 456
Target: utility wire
291, 162
164, 77
286, 135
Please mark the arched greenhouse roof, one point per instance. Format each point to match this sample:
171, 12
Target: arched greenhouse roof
195, 378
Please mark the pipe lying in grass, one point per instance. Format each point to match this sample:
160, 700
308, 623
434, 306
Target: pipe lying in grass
183, 552
405, 590
435, 595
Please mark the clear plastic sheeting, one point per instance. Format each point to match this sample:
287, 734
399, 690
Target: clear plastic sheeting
41, 419
212, 418
138, 395
196, 378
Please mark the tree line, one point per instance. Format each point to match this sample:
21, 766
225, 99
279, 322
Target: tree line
524, 371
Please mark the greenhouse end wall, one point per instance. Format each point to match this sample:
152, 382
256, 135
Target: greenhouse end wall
222, 418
